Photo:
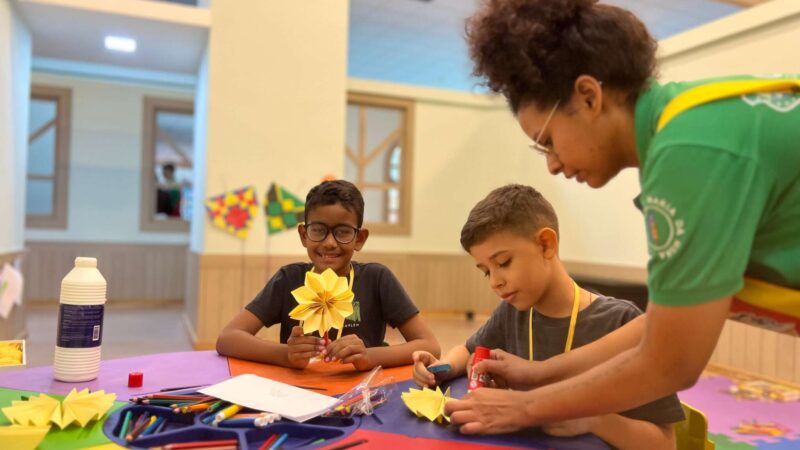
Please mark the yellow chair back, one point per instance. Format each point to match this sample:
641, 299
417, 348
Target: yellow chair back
692, 433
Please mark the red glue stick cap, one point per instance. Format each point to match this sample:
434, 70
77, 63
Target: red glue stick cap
482, 353
135, 379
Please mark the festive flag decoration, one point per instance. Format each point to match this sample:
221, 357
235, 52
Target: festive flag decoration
323, 302
233, 211
283, 209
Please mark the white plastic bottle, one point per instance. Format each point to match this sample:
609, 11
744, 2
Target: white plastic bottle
80, 323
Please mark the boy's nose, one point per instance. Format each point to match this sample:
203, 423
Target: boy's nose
496, 281
330, 241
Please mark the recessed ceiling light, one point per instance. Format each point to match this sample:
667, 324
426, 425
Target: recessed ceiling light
121, 44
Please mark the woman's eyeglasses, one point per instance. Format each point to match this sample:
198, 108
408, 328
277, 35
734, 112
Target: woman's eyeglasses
343, 234
537, 145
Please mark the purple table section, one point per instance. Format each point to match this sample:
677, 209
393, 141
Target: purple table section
160, 371
394, 417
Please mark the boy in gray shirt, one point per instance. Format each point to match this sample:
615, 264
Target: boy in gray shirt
512, 235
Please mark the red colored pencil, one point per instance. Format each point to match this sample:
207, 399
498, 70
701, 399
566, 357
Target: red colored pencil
268, 442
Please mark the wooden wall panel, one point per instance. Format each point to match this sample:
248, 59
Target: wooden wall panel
448, 283
133, 271
759, 351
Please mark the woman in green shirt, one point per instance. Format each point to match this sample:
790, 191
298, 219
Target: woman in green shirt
719, 168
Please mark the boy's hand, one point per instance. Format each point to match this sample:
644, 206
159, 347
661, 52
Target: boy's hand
423, 378
348, 349
569, 428
508, 371
302, 348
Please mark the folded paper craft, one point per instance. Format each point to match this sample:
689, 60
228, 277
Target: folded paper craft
323, 302
427, 403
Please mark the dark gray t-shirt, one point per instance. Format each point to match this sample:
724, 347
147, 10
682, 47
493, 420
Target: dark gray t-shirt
379, 299
507, 329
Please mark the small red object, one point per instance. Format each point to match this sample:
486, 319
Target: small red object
135, 379
475, 380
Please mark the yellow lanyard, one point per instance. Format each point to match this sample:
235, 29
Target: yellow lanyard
573, 319
719, 90
350, 286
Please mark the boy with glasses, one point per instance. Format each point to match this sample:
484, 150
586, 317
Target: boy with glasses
332, 232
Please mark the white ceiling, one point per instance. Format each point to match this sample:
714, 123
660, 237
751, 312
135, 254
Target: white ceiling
170, 38
403, 41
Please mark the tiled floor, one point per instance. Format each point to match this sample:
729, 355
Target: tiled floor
130, 331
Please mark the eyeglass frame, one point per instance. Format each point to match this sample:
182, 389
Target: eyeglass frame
541, 148
331, 230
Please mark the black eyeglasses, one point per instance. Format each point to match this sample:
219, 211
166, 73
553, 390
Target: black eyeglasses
343, 234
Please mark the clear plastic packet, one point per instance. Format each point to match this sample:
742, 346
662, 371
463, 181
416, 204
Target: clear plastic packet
371, 392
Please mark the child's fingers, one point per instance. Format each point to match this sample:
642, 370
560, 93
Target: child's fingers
303, 355
352, 358
348, 350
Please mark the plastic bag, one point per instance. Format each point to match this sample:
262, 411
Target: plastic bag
368, 394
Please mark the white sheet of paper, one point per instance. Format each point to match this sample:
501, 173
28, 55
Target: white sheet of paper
10, 289
263, 394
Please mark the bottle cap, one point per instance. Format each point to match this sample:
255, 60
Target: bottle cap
82, 261
482, 353
135, 379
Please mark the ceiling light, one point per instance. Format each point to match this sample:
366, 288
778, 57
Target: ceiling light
121, 44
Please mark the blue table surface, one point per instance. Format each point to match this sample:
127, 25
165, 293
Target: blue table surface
398, 419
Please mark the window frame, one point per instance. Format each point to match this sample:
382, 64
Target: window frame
403, 225
151, 107
62, 121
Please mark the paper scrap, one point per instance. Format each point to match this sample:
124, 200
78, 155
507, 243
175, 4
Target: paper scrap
12, 353
267, 395
17, 437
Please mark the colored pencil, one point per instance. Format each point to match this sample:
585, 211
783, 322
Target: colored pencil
277, 444
313, 388
182, 388
268, 442
349, 444
226, 413
152, 427
123, 430
215, 406
201, 444
144, 422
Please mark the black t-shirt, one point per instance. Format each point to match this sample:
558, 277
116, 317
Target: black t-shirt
507, 329
379, 300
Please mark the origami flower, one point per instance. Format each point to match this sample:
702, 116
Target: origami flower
427, 403
323, 302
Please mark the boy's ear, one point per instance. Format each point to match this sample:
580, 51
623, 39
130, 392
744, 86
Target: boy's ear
301, 230
363, 234
548, 240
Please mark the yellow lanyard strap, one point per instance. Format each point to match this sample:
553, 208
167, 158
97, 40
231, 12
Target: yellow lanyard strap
719, 90
573, 319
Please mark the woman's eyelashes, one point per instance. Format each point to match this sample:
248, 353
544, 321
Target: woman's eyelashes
504, 263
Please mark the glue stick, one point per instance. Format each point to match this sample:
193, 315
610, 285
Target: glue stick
475, 380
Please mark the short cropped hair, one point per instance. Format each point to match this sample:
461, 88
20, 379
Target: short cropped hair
336, 192
513, 208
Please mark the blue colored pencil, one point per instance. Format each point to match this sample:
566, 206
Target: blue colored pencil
152, 427
279, 442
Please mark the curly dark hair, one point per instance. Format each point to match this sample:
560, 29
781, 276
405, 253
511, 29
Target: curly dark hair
335, 192
513, 208
534, 50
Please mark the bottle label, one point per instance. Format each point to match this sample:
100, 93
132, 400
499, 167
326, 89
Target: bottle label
80, 326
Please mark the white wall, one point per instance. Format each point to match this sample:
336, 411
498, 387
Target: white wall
105, 162
759, 40
197, 232
15, 52
276, 106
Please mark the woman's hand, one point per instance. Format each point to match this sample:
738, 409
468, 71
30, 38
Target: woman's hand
302, 348
508, 371
488, 411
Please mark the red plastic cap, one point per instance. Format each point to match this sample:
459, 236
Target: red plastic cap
482, 353
135, 379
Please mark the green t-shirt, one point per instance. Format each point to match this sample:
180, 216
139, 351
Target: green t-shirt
720, 193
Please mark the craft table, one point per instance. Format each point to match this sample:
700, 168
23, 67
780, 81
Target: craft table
395, 426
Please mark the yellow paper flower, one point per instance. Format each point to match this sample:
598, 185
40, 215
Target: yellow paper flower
323, 302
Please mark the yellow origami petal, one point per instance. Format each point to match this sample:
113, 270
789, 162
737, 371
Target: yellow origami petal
304, 294
330, 279
21, 438
315, 282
